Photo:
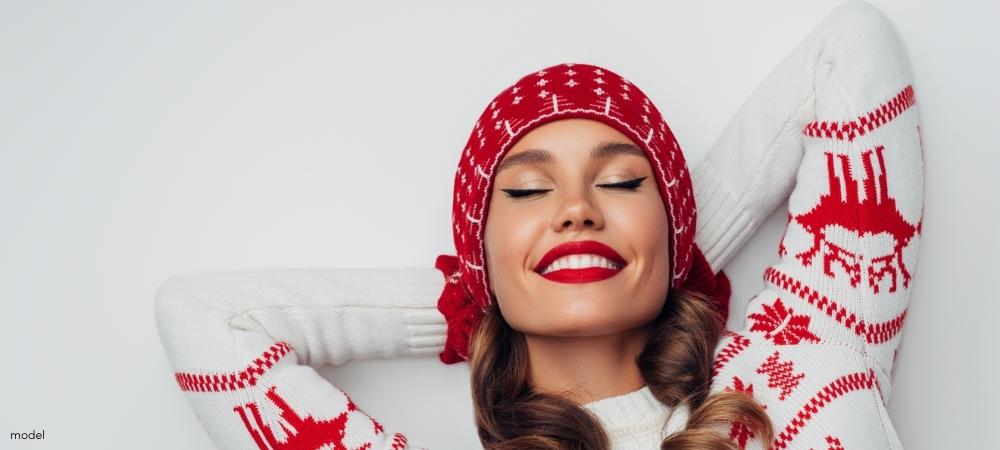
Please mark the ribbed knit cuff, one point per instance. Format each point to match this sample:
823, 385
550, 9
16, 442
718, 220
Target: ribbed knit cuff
723, 223
425, 325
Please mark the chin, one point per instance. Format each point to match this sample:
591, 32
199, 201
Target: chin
561, 327
579, 323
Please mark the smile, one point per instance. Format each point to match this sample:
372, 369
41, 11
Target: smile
580, 262
586, 275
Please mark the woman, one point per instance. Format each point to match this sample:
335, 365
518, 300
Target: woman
556, 360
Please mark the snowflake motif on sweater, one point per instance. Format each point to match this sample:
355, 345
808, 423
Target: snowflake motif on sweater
822, 303
781, 325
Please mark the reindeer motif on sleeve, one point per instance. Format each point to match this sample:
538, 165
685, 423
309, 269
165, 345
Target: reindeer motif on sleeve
309, 433
302, 433
874, 216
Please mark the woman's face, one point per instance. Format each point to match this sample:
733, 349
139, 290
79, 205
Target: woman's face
577, 202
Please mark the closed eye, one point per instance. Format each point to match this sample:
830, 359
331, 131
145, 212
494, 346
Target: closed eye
519, 193
629, 185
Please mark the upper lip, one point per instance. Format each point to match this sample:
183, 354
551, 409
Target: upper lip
578, 248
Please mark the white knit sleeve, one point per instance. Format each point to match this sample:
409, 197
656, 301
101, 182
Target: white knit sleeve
818, 346
245, 346
750, 169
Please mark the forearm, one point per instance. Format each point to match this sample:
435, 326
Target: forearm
243, 342
330, 316
750, 169
818, 344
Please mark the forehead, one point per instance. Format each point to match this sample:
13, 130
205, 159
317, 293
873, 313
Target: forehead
569, 138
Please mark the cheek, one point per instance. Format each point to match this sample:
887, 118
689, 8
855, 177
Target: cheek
513, 234
646, 225
649, 229
656, 229
510, 235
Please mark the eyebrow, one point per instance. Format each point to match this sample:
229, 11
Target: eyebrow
602, 150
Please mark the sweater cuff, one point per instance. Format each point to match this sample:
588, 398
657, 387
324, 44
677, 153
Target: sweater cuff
426, 328
723, 223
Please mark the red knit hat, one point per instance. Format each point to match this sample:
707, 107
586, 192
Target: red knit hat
561, 92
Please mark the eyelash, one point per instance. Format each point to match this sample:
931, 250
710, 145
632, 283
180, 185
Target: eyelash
628, 185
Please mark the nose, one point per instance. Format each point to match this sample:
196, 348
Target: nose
577, 212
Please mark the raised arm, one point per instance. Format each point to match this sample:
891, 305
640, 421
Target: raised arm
818, 346
245, 346
751, 167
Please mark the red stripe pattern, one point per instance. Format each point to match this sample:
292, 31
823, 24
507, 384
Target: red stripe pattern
873, 333
848, 131
837, 388
219, 382
834, 443
843, 210
733, 348
398, 441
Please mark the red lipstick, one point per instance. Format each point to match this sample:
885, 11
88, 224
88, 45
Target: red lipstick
584, 275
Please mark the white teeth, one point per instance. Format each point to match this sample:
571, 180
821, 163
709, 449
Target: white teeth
580, 262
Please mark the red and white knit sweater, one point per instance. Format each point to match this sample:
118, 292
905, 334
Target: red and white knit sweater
836, 121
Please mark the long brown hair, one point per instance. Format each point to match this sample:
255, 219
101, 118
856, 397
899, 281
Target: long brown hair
676, 365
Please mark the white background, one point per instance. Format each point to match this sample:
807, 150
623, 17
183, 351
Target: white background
140, 141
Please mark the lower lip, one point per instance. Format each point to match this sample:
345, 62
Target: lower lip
587, 275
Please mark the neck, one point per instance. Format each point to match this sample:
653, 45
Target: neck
587, 368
